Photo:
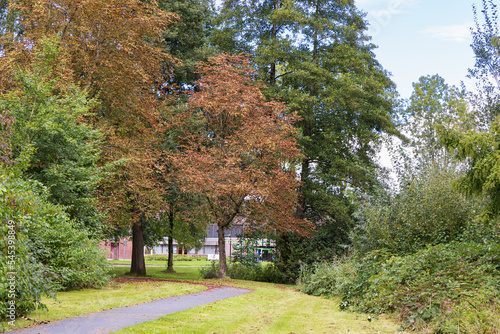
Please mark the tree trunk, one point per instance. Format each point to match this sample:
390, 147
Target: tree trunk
138, 266
170, 266
222, 253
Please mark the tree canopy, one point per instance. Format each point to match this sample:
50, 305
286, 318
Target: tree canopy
237, 151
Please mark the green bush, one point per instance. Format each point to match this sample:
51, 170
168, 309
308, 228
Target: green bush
210, 272
425, 287
261, 272
50, 253
443, 286
429, 210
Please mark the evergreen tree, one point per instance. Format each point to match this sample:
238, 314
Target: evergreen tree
316, 56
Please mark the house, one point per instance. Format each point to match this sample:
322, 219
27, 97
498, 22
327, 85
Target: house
122, 249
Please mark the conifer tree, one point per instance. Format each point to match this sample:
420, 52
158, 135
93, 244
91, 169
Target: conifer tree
316, 56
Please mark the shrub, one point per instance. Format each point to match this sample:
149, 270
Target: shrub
445, 286
429, 210
210, 272
427, 286
261, 272
51, 253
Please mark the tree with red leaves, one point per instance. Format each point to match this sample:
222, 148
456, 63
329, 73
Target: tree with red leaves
237, 151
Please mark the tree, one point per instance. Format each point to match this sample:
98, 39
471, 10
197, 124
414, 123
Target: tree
316, 56
63, 151
114, 51
433, 103
237, 151
485, 45
429, 209
478, 146
265, 28
188, 39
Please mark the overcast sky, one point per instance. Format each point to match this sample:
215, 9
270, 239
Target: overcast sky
421, 37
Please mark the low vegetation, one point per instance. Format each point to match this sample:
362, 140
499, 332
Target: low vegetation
447, 288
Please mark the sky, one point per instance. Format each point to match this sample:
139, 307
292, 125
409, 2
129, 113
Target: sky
422, 37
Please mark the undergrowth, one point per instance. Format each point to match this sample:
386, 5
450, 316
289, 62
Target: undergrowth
447, 288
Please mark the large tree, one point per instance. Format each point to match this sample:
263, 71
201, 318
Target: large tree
479, 146
49, 139
114, 51
316, 56
238, 151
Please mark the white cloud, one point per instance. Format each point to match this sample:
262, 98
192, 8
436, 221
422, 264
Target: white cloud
455, 33
385, 5
380, 13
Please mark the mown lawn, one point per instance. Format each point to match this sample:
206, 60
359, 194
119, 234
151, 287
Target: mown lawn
165, 263
117, 294
270, 308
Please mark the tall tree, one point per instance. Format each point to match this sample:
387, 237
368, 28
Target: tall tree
485, 45
56, 147
114, 51
433, 103
319, 60
188, 39
479, 147
239, 158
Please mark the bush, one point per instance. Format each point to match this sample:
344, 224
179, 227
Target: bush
261, 272
210, 272
50, 253
436, 286
427, 286
429, 210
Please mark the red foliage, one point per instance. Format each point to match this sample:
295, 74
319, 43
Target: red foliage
238, 150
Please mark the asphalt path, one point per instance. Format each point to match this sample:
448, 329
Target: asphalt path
117, 319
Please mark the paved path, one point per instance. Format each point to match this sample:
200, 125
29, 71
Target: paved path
116, 319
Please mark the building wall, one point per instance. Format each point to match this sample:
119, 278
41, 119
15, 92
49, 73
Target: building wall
115, 251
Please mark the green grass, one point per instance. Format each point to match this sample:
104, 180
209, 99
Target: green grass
118, 294
270, 308
165, 263
182, 273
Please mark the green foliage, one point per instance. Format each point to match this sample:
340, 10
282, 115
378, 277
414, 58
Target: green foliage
433, 103
429, 210
211, 272
424, 287
49, 129
435, 286
51, 253
482, 152
244, 252
261, 272
187, 40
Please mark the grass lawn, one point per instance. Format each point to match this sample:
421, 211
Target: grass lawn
119, 294
183, 273
270, 308
165, 263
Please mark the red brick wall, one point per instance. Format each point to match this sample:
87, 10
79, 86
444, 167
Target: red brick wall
116, 250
